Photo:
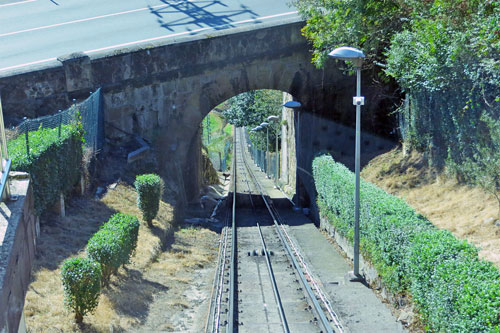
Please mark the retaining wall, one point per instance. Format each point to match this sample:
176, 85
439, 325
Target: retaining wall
18, 232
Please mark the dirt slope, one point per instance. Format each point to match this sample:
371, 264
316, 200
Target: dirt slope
468, 212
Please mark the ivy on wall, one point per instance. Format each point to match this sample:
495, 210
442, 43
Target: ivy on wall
54, 161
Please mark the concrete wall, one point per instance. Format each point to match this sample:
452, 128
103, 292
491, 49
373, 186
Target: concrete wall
17, 252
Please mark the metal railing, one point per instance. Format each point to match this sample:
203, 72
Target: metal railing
4, 160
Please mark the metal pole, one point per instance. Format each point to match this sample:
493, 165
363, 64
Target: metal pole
60, 123
297, 182
277, 155
267, 151
26, 134
5, 156
356, 169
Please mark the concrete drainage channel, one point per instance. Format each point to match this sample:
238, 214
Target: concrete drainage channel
260, 283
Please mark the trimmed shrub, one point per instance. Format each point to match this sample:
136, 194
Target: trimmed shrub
452, 289
126, 228
107, 249
114, 243
149, 189
54, 162
81, 278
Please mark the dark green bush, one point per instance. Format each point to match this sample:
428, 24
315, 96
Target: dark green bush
81, 278
149, 189
54, 162
126, 228
453, 290
114, 243
107, 249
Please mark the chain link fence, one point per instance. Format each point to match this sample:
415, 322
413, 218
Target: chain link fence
90, 112
267, 161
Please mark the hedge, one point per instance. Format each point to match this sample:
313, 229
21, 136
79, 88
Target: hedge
453, 289
149, 189
114, 243
54, 162
81, 278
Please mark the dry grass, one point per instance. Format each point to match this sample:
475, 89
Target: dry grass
468, 212
122, 305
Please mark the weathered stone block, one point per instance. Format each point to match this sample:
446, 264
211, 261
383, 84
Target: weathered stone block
78, 71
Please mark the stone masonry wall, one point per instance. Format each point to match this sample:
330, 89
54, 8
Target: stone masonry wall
17, 252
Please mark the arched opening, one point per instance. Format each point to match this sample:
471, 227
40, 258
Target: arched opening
272, 148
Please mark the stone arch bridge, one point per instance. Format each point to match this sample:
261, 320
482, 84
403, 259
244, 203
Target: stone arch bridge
162, 91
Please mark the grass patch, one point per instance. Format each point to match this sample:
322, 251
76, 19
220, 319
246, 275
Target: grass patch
62, 238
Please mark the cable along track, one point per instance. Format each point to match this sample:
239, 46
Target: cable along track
262, 282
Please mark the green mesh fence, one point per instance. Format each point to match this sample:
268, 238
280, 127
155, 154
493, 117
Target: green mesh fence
90, 112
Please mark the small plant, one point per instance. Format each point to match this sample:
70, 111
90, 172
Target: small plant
81, 278
149, 189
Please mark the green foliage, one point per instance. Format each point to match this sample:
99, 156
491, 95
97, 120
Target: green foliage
482, 165
81, 278
149, 189
364, 24
217, 136
114, 243
54, 162
126, 230
453, 290
252, 108
444, 55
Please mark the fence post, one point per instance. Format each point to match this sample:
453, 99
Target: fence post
60, 122
26, 131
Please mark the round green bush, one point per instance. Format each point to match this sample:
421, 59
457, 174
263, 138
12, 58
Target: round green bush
81, 278
149, 189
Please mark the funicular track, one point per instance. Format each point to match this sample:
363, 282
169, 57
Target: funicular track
262, 282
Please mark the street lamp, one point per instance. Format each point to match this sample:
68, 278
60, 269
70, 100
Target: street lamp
356, 57
272, 119
266, 126
295, 105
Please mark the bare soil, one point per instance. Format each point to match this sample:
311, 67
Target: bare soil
468, 212
164, 288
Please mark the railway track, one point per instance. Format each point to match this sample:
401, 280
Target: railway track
262, 282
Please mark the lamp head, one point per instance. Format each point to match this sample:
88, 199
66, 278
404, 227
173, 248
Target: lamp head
292, 104
264, 124
348, 53
272, 118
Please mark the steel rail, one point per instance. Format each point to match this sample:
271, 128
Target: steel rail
232, 276
222, 265
268, 260
214, 285
324, 321
312, 279
273, 283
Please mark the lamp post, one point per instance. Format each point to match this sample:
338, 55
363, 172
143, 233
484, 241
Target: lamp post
356, 57
266, 126
271, 119
257, 129
295, 105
